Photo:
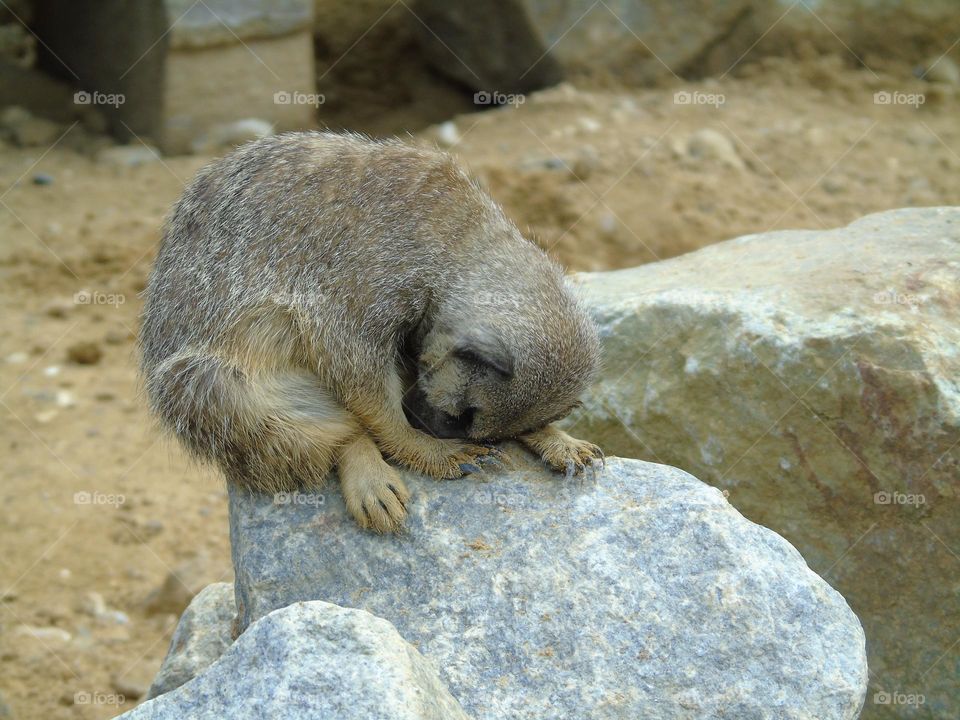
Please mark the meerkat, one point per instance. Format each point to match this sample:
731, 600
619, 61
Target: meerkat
321, 300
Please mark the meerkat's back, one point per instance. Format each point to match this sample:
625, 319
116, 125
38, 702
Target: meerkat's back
293, 275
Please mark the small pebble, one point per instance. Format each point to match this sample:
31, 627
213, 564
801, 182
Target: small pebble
589, 124
447, 133
713, 145
59, 309
65, 399
84, 352
44, 633
131, 689
941, 69
116, 337
95, 606
128, 155
45, 416
833, 185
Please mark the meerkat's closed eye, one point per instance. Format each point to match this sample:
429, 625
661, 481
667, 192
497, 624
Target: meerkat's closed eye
487, 352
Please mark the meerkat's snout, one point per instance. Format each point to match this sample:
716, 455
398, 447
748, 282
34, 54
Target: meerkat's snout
422, 415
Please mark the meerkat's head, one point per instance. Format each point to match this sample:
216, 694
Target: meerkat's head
499, 369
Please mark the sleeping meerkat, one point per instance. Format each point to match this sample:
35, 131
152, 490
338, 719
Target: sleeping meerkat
320, 299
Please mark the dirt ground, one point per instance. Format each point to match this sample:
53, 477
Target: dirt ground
97, 510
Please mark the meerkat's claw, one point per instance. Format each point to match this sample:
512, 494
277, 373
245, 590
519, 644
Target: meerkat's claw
383, 513
491, 461
446, 459
373, 491
401, 495
563, 452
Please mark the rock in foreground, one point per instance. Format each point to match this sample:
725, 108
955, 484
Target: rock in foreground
641, 593
311, 660
813, 375
202, 636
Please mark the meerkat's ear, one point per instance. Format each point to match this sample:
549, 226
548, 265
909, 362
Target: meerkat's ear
485, 348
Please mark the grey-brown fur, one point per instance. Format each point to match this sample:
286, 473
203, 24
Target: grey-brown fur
309, 283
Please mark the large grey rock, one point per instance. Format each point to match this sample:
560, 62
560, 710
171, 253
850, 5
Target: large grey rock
517, 45
312, 660
202, 635
639, 594
814, 376
217, 22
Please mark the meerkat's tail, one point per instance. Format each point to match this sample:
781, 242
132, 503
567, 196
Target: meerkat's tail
270, 431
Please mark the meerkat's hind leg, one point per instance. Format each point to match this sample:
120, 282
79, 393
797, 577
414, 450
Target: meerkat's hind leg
562, 451
375, 495
270, 431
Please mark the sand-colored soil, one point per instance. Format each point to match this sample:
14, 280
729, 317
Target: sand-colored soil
603, 179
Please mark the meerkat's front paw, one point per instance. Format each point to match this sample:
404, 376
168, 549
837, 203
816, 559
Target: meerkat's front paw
373, 491
564, 452
377, 502
447, 459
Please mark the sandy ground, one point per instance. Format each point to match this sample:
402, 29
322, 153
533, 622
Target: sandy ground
97, 510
